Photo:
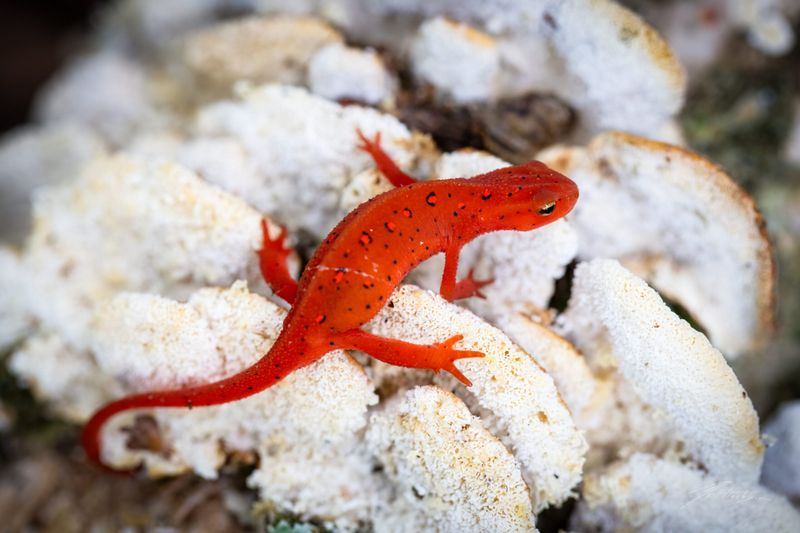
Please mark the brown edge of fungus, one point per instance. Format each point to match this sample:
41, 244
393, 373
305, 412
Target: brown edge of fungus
767, 272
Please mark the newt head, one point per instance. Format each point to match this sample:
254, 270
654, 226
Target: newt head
525, 197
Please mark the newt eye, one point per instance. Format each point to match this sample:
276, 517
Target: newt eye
547, 209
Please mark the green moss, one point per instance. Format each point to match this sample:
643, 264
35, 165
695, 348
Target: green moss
286, 526
31, 419
277, 521
740, 113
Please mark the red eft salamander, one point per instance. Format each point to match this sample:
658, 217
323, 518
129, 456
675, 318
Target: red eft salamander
357, 267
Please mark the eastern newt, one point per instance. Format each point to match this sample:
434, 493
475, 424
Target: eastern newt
354, 271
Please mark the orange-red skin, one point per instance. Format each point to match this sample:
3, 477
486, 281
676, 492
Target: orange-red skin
357, 267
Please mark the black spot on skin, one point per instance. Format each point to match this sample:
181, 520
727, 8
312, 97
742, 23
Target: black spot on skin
277, 378
431, 199
449, 195
486, 195
391, 304
455, 213
368, 306
250, 387
509, 194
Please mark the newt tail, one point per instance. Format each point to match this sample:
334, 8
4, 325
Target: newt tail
279, 362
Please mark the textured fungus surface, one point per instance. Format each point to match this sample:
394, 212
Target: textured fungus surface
621, 323
452, 474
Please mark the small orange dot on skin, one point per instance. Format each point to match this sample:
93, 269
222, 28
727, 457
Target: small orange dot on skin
391, 226
407, 212
462, 205
338, 277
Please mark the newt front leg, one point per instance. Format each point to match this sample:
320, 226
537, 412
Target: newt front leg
470, 286
450, 289
387, 167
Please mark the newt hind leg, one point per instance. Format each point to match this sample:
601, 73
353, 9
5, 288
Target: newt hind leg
438, 356
273, 257
388, 168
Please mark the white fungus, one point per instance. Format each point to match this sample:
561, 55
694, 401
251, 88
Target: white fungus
681, 223
615, 317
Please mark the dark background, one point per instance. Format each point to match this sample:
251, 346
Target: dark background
35, 39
